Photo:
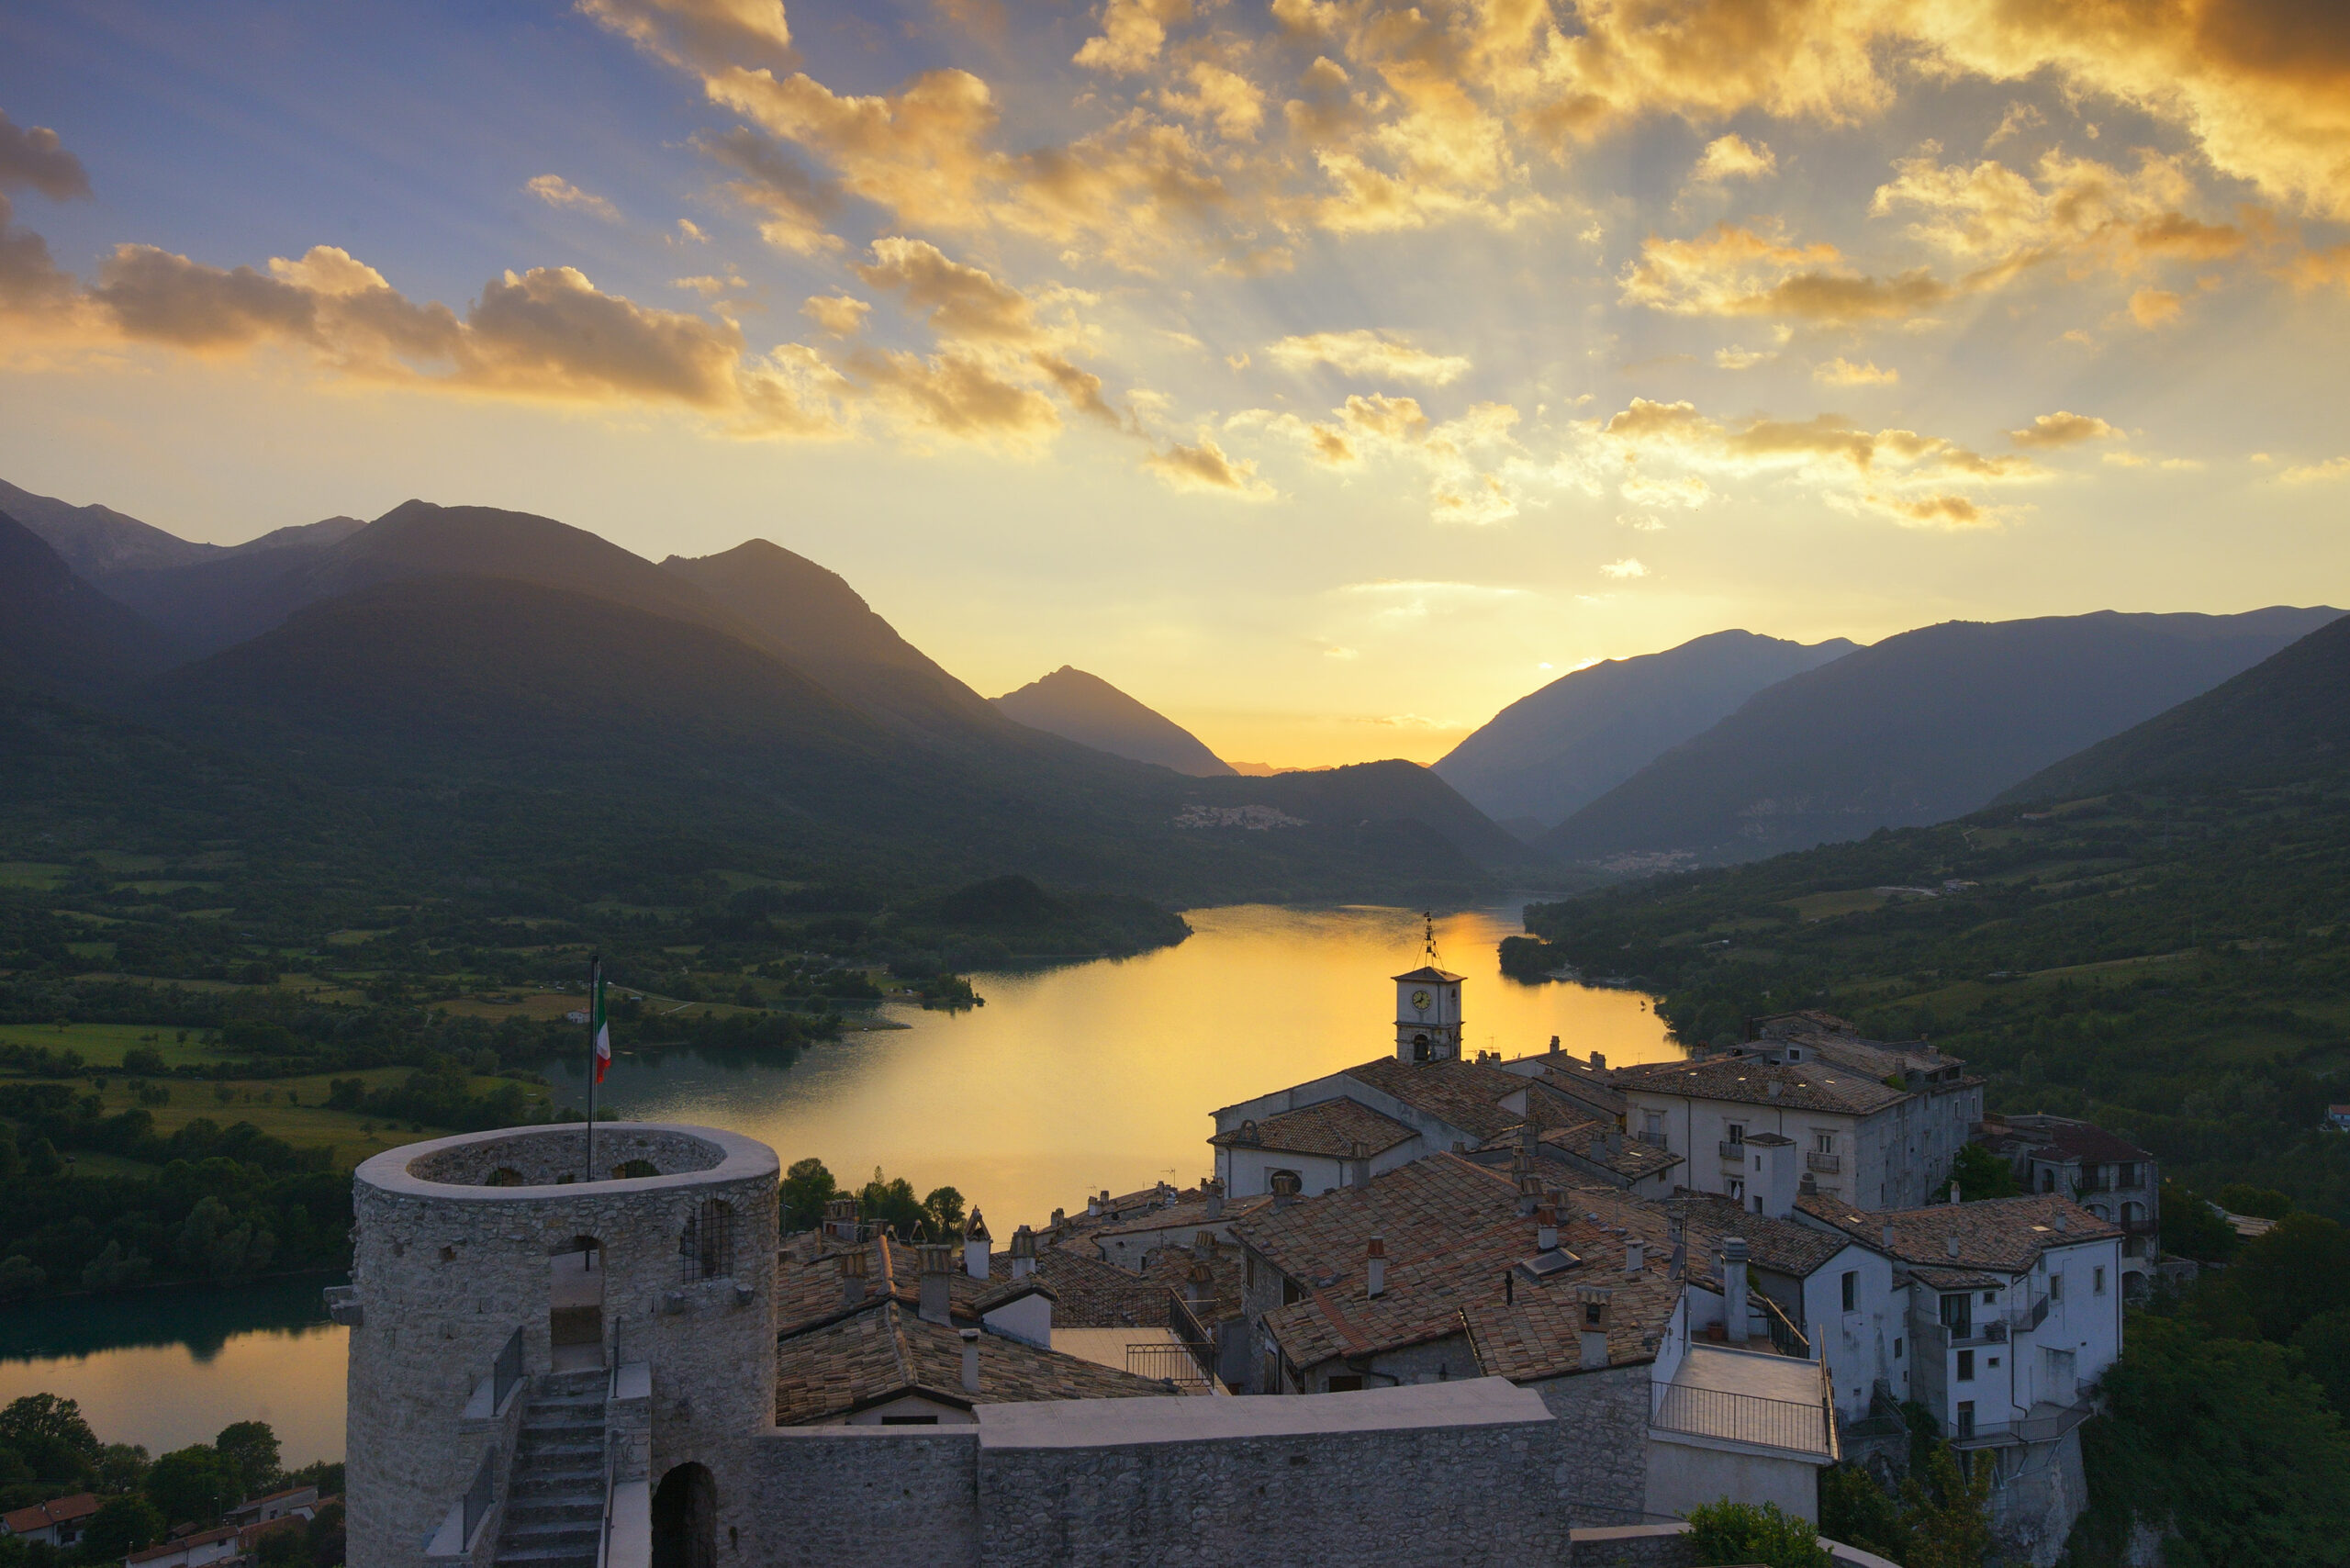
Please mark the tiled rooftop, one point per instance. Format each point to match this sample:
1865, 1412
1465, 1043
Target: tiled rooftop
1451, 1230
1801, 1086
1331, 1129
1564, 1133
56, 1510
1576, 1078
1782, 1245
1466, 1093
2004, 1234
889, 1352
1189, 1213
2080, 1141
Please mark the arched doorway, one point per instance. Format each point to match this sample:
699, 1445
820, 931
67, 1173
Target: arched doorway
685, 1519
575, 1306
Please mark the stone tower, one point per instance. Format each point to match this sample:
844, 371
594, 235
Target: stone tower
499, 1302
1427, 1014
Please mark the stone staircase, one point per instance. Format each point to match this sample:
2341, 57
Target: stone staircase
555, 1504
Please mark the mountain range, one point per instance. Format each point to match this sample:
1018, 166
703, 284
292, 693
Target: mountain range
1555, 750
1090, 711
1919, 728
520, 692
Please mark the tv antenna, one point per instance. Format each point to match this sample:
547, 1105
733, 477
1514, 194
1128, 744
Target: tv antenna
1429, 951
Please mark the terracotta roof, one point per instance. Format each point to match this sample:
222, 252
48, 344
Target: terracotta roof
56, 1511
890, 1351
179, 1545
810, 1289
2005, 1233
1091, 1294
1468, 1094
1566, 1139
1782, 1245
1802, 1086
1452, 1229
1331, 1129
1189, 1214
1957, 1279
1430, 973
1564, 1075
2085, 1143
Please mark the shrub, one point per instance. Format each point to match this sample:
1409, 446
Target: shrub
1727, 1532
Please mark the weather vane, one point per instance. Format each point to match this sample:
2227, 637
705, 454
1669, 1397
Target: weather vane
1427, 918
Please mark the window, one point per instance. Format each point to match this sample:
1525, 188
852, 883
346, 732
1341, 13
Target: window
1966, 1366
1851, 1290
1652, 1123
706, 1250
1897, 1349
1736, 1133
2127, 1174
909, 1420
2097, 1279
1738, 1189
1990, 1298
1291, 1292
1346, 1382
2047, 1180
1965, 1419
1823, 1143
2056, 1286
1958, 1315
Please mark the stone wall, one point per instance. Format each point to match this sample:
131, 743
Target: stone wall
1600, 1473
545, 1157
444, 1274
876, 1496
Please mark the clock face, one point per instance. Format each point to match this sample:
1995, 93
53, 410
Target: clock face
1420, 1001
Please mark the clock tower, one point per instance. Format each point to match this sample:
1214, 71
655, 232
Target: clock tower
1428, 1015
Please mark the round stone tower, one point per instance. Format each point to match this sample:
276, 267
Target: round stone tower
518, 1329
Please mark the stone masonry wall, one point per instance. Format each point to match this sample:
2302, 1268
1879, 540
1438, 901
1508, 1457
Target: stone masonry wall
444, 1275
543, 1158
876, 1496
1600, 1471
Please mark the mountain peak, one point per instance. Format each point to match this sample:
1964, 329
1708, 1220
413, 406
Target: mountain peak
1084, 708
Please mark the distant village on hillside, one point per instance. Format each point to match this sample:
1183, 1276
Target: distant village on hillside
1525, 1309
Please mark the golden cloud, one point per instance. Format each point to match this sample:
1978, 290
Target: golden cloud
1629, 567
31, 286
1365, 352
2317, 472
1132, 32
2063, 429
838, 314
796, 206
1732, 270
1842, 372
556, 191
2152, 308
1205, 467
705, 34
32, 155
1732, 157
962, 302
956, 394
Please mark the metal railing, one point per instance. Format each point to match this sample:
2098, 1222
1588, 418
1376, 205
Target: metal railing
479, 1495
1787, 1336
1827, 1164
1733, 1149
1654, 1139
1163, 1362
506, 1373
1741, 1417
1185, 1325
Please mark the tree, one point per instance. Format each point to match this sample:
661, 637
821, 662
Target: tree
1982, 1175
2223, 1441
2324, 1344
2262, 1203
20, 1275
122, 1525
1727, 1532
1855, 1510
1947, 1516
224, 1247
943, 1212
253, 1447
122, 1467
808, 1186
2292, 1273
2190, 1228
194, 1484
891, 1201
51, 1436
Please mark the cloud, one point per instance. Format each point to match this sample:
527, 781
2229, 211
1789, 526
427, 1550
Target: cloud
1735, 271
2332, 468
31, 286
2020, 117
794, 205
2152, 307
556, 191
1133, 31
956, 394
837, 313
1234, 103
1732, 157
1842, 372
1736, 358
32, 156
1943, 511
961, 302
2063, 429
705, 34
1207, 468
1365, 352
1629, 567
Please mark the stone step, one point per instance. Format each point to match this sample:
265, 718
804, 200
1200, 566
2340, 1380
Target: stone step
547, 1557
560, 1431
589, 1379
567, 1510
559, 1470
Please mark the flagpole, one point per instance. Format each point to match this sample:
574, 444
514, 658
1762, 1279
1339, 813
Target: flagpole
595, 994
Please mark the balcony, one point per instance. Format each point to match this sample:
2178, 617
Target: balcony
1733, 1149
1826, 1164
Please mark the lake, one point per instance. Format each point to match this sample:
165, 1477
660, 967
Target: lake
1073, 1078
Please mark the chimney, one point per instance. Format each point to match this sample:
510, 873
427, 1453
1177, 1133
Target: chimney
1529, 1194
1598, 1063
1530, 1139
1598, 1148
1203, 1244
1285, 1185
1167, 1194
1635, 1256
2060, 1219
976, 1243
970, 1360
1809, 1186
1199, 1284
1595, 1317
1375, 1266
853, 1277
1546, 1230
937, 1264
1060, 1218
1360, 1152
1950, 1244
1734, 1288
1092, 1206
1773, 1090
1889, 1238
1023, 1253
1212, 1191
840, 1219
1616, 1140
1555, 1044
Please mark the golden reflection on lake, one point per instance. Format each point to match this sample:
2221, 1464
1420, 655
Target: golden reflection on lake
166, 1397
1102, 1074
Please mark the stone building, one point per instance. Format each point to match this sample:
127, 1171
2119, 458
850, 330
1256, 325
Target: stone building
2113, 1178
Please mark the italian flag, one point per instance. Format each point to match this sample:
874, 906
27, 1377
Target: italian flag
599, 1027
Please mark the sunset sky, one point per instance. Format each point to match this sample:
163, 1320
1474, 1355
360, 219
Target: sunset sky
1328, 374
